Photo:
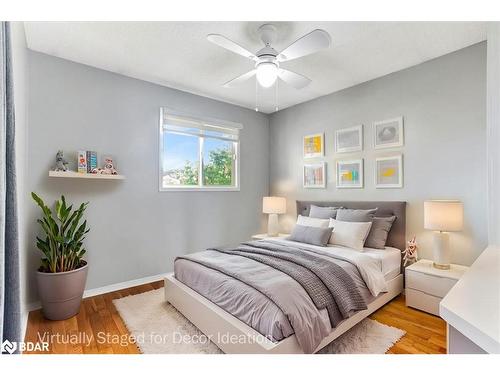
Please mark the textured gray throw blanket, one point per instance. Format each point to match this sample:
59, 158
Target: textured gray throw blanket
328, 285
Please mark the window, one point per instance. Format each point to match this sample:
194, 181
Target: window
198, 154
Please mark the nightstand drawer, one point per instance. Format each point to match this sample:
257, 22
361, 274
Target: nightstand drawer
430, 284
422, 301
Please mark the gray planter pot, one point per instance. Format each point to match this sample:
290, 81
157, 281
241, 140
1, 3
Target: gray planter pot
61, 293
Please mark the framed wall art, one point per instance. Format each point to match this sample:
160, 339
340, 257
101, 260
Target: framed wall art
349, 174
389, 172
314, 145
388, 133
349, 139
314, 175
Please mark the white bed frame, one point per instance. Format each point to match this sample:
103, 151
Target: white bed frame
219, 325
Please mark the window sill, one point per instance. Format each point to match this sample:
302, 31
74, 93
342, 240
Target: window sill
195, 189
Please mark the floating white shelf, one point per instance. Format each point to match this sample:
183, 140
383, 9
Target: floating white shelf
72, 174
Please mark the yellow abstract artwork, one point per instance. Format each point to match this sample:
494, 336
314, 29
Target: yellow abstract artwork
313, 145
347, 176
350, 173
388, 172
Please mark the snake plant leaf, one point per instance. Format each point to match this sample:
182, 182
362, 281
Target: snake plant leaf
42, 205
58, 210
69, 221
77, 219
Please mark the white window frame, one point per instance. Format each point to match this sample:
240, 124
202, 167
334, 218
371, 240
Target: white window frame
219, 123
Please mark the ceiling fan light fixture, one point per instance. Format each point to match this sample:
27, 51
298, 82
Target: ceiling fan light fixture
267, 73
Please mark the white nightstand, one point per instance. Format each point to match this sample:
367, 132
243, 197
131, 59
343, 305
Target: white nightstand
426, 285
263, 236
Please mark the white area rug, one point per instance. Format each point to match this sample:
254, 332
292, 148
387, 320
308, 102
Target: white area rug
158, 328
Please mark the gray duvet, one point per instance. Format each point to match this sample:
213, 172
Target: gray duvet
277, 289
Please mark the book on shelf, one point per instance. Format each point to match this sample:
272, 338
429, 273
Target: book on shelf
91, 161
82, 161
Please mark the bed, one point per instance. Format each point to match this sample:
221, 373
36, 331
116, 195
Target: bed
242, 318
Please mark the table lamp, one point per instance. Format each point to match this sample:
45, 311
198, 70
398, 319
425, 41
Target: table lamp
443, 216
273, 206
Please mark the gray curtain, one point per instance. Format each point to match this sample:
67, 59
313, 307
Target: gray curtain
10, 311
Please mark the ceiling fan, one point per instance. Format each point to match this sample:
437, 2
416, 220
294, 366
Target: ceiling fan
268, 60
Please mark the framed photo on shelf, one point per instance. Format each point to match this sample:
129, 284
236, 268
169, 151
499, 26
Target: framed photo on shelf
314, 175
388, 133
314, 145
349, 139
349, 174
389, 172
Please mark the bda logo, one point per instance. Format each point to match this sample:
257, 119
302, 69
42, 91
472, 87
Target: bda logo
9, 347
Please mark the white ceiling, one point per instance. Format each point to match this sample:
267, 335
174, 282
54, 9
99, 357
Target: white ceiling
177, 54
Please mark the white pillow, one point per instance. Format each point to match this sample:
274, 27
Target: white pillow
307, 221
349, 234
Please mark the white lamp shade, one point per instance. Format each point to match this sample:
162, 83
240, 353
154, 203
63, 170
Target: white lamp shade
444, 215
273, 205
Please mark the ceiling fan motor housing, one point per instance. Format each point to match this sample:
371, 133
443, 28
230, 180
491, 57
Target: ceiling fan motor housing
268, 36
266, 59
267, 52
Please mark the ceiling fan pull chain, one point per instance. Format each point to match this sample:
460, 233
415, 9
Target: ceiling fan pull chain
256, 96
276, 96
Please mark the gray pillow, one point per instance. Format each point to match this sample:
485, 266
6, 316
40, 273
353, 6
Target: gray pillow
311, 235
323, 212
379, 231
359, 216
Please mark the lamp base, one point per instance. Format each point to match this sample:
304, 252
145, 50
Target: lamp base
441, 266
442, 253
273, 227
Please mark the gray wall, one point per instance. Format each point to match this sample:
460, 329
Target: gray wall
444, 107
136, 231
493, 131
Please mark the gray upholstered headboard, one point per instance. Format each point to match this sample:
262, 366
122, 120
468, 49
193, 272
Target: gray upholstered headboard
397, 235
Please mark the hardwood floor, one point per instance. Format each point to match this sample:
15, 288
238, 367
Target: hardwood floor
425, 333
98, 317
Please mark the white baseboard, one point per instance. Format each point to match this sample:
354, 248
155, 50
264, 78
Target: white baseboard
122, 285
90, 293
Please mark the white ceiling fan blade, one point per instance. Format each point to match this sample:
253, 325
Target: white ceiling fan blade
228, 44
293, 79
310, 43
240, 79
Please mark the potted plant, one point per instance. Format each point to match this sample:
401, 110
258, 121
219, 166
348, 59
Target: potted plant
63, 272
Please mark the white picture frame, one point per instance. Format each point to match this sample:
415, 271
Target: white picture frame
314, 175
349, 139
389, 172
388, 133
313, 145
349, 174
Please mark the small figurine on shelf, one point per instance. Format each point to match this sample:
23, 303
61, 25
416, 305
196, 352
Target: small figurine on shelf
410, 253
61, 163
108, 167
